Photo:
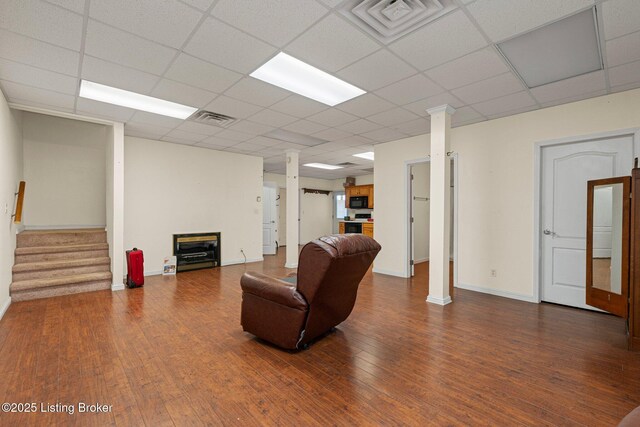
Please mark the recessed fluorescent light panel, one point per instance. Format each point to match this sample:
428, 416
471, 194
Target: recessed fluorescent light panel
322, 166
124, 98
299, 77
561, 50
368, 155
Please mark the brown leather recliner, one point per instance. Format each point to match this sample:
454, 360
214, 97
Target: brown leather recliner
329, 272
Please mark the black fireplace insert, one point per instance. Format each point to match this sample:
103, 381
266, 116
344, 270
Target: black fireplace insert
196, 250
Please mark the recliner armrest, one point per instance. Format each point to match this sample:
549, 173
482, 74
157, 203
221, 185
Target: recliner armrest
272, 289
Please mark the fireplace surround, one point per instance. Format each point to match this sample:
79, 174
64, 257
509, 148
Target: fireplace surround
196, 250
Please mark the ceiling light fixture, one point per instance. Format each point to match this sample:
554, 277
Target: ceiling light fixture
368, 155
124, 98
322, 166
299, 77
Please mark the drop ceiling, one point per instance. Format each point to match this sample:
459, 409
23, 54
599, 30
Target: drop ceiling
201, 52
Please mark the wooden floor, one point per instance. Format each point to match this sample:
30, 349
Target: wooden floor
173, 353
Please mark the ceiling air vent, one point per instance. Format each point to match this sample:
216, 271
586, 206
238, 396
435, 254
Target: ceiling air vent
388, 20
213, 119
346, 164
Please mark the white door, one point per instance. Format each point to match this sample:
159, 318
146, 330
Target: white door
269, 218
339, 209
565, 172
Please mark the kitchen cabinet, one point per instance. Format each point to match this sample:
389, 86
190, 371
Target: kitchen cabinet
367, 229
360, 190
341, 228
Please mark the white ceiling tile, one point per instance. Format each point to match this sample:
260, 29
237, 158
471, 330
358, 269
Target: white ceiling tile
250, 127
471, 68
73, 5
415, 127
332, 134
465, 115
325, 46
620, 17
43, 79
232, 107
199, 4
513, 112
183, 94
305, 127
494, 87
265, 142
167, 22
622, 88
298, 106
574, 98
504, 104
218, 141
257, 92
208, 146
107, 73
42, 21
196, 72
178, 140
144, 130
19, 93
455, 34
625, 74
359, 126
421, 107
232, 135
377, 70
502, 19
185, 136
224, 45
156, 119
623, 50
332, 117
200, 128
392, 117
384, 135
25, 50
575, 86
332, 3
93, 108
273, 118
365, 105
274, 21
410, 90
109, 43
248, 147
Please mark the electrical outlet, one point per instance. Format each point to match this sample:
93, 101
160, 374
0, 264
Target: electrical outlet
494, 273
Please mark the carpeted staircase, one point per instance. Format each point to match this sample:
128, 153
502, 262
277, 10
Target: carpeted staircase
60, 262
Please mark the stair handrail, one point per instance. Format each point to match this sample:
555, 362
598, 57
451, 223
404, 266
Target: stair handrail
17, 216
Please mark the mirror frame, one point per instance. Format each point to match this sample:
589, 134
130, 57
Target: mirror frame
613, 303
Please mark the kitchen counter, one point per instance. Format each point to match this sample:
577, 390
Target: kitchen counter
355, 220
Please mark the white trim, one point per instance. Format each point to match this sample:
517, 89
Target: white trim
62, 114
152, 273
117, 287
537, 177
240, 261
440, 109
439, 301
420, 261
498, 293
63, 227
20, 228
292, 265
5, 307
390, 273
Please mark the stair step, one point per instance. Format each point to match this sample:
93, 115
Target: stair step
32, 238
33, 250
43, 288
55, 256
59, 268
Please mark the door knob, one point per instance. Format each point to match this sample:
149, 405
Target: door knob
549, 232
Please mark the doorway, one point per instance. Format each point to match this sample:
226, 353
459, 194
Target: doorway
282, 217
269, 218
418, 185
562, 175
339, 209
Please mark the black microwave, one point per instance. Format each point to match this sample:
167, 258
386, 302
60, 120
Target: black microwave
359, 202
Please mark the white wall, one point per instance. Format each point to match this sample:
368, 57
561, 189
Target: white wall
64, 167
10, 175
172, 189
496, 188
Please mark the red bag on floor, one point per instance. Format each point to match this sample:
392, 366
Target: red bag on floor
135, 268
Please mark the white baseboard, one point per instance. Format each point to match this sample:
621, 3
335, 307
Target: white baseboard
498, 293
438, 300
291, 265
389, 272
62, 227
5, 307
420, 261
117, 287
240, 261
20, 228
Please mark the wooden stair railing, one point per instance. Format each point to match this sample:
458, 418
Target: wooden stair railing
17, 216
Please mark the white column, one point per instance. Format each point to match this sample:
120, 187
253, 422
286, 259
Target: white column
115, 205
293, 200
439, 211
